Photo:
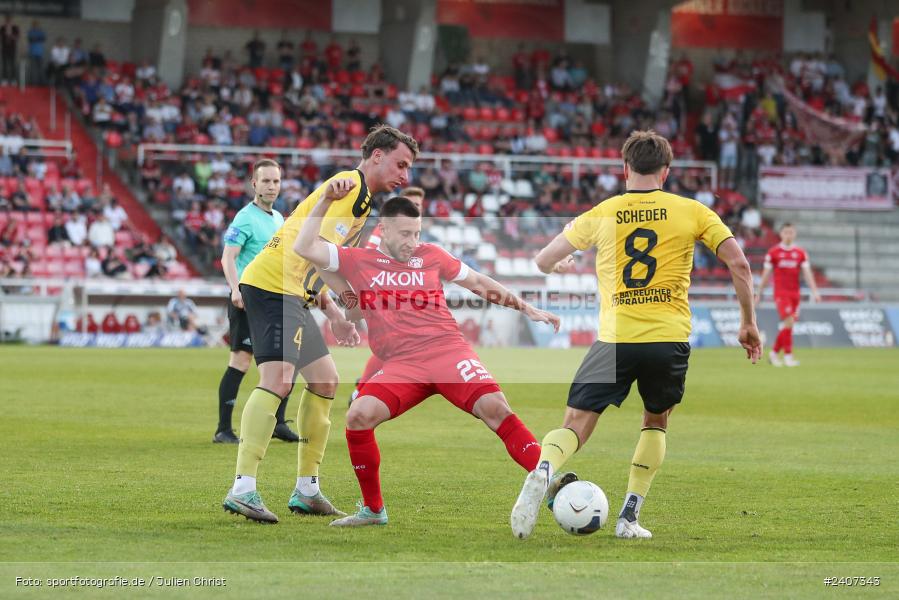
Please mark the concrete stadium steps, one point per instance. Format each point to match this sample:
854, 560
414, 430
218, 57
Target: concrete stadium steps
830, 238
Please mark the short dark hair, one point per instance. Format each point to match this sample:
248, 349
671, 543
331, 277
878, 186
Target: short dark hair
412, 191
785, 225
646, 152
265, 162
387, 138
400, 205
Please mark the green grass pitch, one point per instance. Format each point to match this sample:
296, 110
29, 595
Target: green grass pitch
774, 479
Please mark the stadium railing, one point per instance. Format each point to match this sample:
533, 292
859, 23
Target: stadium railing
47, 148
509, 163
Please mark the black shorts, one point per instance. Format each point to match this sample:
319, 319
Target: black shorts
282, 328
607, 372
239, 329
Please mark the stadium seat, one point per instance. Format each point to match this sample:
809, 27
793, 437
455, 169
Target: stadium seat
131, 324
524, 189
521, 267
471, 235
438, 232
453, 235
486, 252
503, 266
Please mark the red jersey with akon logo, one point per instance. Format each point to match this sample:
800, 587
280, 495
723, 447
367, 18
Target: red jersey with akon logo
404, 303
787, 264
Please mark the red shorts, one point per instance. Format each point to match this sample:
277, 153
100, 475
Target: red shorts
456, 374
787, 306
373, 365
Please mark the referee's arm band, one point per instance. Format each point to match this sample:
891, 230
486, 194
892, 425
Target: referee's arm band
333, 258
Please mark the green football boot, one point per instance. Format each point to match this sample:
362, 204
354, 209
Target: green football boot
249, 505
318, 504
364, 516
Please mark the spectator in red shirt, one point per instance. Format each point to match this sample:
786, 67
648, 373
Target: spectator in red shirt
540, 58
334, 55
309, 48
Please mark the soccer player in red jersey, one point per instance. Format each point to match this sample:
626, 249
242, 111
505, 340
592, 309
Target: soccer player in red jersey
785, 261
417, 196
399, 289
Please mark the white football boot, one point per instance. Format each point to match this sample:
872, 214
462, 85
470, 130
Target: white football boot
524, 513
790, 361
774, 357
631, 530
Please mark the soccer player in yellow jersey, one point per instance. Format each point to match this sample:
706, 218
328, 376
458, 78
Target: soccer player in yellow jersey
644, 243
278, 287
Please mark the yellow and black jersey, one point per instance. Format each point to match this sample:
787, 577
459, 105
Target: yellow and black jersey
277, 268
644, 254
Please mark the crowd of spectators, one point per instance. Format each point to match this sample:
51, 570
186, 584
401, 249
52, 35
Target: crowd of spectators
544, 104
53, 223
747, 121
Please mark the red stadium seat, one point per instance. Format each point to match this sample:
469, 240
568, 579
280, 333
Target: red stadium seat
581, 152
261, 74
485, 149
342, 77
131, 324
470, 113
503, 114
487, 132
356, 128
359, 77
111, 324
551, 135
486, 113
518, 115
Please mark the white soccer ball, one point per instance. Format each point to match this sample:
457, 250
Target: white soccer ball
581, 507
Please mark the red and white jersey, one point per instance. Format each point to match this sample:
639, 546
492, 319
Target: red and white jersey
403, 303
787, 263
374, 239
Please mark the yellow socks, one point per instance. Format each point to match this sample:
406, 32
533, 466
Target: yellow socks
557, 447
256, 426
313, 427
647, 459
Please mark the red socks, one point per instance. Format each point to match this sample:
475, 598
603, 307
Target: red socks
520, 443
366, 459
784, 341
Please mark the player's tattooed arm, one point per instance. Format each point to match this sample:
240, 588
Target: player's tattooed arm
496, 293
